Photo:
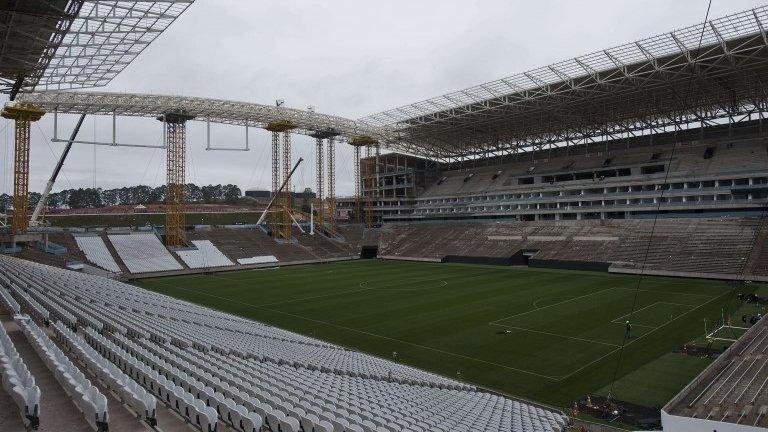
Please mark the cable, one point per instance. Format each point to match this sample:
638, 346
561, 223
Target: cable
94, 152
55, 158
658, 211
146, 167
255, 169
6, 168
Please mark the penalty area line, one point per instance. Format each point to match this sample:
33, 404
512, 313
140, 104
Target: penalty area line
638, 338
558, 335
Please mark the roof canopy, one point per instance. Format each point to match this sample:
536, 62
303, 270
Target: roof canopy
63, 44
696, 74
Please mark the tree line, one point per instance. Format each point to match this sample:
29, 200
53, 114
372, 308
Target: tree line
133, 195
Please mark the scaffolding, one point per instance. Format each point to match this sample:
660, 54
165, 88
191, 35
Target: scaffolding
273, 216
175, 199
319, 207
368, 187
376, 180
281, 220
362, 204
23, 116
286, 213
20, 223
331, 177
358, 180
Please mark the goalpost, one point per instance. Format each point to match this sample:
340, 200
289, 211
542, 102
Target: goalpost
725, 331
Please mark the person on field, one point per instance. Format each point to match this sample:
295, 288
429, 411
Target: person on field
629, 330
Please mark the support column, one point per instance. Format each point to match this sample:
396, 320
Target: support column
368, 189
331, 187
20, 222
287, 165
358, 187
175, 198
274, 216
23, 116
361, 181
320, 219
281, 220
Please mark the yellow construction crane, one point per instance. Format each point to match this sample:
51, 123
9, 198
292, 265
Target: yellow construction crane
23, 115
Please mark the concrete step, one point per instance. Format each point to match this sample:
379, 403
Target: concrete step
57, 410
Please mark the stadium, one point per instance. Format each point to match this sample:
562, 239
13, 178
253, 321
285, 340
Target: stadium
582, 246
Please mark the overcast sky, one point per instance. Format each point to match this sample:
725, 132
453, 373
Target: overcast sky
345, 57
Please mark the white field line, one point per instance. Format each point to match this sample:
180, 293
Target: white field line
352, 291
548, 306
313, 297
376, 335
443, 283
635, 340
587, 295
666, 292
646, 307
551, 378
558, 335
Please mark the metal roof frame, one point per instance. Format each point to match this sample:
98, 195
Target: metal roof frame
79, 43
201, 109
699, 73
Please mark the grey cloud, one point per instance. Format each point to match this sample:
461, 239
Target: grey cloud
346, 57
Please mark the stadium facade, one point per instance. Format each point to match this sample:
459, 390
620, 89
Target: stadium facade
706, 172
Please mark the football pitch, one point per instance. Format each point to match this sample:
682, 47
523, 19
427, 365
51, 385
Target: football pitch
546, 335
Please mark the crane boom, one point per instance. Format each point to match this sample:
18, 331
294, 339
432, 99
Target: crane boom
44, 197
277, 193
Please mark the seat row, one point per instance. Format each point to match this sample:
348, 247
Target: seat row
206, 255
175, 396
172, 322
231, 399
18, 382
8, 302
130, 392
96, 252
143, 253
91, 402
36, 309
217, 369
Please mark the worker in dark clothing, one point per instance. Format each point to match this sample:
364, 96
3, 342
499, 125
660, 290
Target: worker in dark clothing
629, 330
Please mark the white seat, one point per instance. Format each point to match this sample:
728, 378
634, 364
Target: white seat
252, 422
289, 424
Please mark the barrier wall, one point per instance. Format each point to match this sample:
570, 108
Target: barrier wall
569, 265
516, 259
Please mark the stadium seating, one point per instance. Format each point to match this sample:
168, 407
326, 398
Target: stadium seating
129, 390
239, 244
207, 365
206, 255
562, 185
91, 402
30, 304
96, 252
257, 260
143, 252
18, 382
733, 388
7, 301
694, 246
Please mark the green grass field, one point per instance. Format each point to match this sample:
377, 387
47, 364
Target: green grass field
547, 335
